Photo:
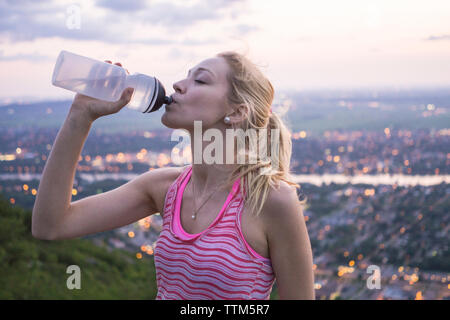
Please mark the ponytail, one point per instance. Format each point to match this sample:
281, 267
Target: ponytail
250, 87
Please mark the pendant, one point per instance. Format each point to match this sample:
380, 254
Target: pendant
193, 217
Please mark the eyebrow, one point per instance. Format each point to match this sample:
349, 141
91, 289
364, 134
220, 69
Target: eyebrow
204, 69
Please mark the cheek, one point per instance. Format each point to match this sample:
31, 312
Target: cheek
208, 104
200, 97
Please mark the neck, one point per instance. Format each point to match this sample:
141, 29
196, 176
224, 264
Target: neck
208, 177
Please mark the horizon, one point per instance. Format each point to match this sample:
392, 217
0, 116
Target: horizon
24, 100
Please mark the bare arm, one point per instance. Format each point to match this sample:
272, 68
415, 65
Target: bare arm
290, 247
53, 200
55, 188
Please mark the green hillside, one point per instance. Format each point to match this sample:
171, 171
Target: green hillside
36, 269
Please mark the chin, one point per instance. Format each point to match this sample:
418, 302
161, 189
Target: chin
169, 122
165, 121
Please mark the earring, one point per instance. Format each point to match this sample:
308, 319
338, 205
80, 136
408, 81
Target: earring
227, 120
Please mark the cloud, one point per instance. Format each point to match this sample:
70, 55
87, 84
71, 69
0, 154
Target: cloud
244, 29
195, 42
145, 22
174, 16
120, 5
441, 37
36, 57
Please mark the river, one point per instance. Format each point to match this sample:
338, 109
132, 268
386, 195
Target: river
383, 179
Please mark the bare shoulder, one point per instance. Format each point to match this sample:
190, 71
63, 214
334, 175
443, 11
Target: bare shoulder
165, 173
282, 195
289, 244
157, 183
281, 207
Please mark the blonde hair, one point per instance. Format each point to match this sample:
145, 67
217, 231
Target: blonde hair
250, 87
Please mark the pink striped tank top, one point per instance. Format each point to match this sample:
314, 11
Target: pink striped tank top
216, 263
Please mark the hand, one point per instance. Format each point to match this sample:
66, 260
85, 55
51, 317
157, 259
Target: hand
95, 108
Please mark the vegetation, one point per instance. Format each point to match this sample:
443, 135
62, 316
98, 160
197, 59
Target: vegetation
36, 269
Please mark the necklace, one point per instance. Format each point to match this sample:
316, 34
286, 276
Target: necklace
194, 215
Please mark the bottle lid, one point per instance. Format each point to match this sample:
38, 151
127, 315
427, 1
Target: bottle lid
159, 98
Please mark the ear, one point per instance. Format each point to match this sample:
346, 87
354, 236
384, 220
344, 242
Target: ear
239, 113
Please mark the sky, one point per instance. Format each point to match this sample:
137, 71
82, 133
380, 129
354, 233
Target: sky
299, 45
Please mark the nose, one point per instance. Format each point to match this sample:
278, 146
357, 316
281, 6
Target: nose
179, 87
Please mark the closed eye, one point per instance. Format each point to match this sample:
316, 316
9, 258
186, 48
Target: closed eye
199, 81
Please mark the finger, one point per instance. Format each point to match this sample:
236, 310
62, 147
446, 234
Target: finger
124, 98
108, 61
127, 71
118, 64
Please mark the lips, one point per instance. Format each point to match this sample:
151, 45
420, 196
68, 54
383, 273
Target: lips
170, 105
174, 100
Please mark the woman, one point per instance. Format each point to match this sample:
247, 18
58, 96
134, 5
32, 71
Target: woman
228, 230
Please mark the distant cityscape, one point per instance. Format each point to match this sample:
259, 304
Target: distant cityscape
401, 229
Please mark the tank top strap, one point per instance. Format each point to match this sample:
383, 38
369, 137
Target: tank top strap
184, 174
171, 194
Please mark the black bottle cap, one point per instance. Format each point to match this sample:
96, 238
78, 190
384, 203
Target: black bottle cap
159, 98
168, 99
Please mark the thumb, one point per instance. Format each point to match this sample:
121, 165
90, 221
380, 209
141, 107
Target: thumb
124, 98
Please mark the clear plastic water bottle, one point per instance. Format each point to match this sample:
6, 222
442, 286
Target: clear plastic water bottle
107, 81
